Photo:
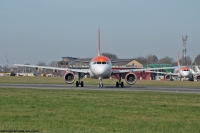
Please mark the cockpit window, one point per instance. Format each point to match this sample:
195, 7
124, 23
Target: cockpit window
100, 62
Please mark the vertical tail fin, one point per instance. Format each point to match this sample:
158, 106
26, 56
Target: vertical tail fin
99, 42
178, 60
197, 69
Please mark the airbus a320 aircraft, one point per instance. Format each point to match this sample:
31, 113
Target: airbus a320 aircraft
100, 67
178, 71
196, 73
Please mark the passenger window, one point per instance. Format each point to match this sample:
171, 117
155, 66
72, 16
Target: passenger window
94, 62
98, 62
103, 62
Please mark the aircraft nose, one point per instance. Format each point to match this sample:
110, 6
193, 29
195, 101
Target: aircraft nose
102, 71
186, 73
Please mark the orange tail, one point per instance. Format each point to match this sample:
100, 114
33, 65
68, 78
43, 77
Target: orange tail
99, 42
178, 60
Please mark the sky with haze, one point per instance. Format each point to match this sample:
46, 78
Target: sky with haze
47, 30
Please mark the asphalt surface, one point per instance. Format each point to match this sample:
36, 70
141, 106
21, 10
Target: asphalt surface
109, 87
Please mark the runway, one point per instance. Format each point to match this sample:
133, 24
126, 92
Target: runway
109, 87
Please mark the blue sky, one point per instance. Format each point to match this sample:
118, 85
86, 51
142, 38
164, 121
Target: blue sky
47, 30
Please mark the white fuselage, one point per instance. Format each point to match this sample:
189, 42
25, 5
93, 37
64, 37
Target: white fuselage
182, 72
100, 69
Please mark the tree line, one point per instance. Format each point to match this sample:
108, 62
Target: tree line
153, 59
148, 59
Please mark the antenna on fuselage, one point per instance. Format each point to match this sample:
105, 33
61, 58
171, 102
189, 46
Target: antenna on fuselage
99, 42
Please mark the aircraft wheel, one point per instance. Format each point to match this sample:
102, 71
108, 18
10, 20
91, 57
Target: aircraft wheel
77, 83
117, 84
100, 85
82, 84
122, 84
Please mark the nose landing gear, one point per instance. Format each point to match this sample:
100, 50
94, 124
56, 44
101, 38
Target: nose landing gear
100, 85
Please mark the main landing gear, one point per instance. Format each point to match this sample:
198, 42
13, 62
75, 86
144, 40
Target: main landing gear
79, 82
100, 85
119, 82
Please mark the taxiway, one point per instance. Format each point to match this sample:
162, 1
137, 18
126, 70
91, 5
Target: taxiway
94, 87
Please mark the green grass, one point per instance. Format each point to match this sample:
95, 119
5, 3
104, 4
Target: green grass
59, 111
88, 81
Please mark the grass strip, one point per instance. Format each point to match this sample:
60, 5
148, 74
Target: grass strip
88, 81
50, 111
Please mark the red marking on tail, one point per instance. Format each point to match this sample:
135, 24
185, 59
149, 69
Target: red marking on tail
178, 60
99, 42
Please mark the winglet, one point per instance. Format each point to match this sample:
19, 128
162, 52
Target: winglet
178, 60
99, 42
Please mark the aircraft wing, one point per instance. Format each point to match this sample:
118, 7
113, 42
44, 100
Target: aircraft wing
173, 74
56, 68
142, 69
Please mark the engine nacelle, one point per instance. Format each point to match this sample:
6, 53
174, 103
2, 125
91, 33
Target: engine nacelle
198, 77
168, 77
130, 78
54, 70
69, 78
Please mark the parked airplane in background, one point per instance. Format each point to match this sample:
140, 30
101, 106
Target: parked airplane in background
178, 72
100, 67
197, 69
196, 73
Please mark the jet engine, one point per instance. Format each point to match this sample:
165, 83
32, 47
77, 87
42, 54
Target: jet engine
130, 78
198, 77
69, 78
54, 70
168, 77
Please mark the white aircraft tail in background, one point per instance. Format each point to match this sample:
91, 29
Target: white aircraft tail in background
197, 69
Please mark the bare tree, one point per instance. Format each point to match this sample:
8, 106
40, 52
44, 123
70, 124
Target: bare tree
141, 59
188, 61
167, 60
110, 56
53, 64
197, 59
41, 63
151, 59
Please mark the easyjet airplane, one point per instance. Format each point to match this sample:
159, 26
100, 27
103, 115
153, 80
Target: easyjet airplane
178, 71
100, 67
196, 73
